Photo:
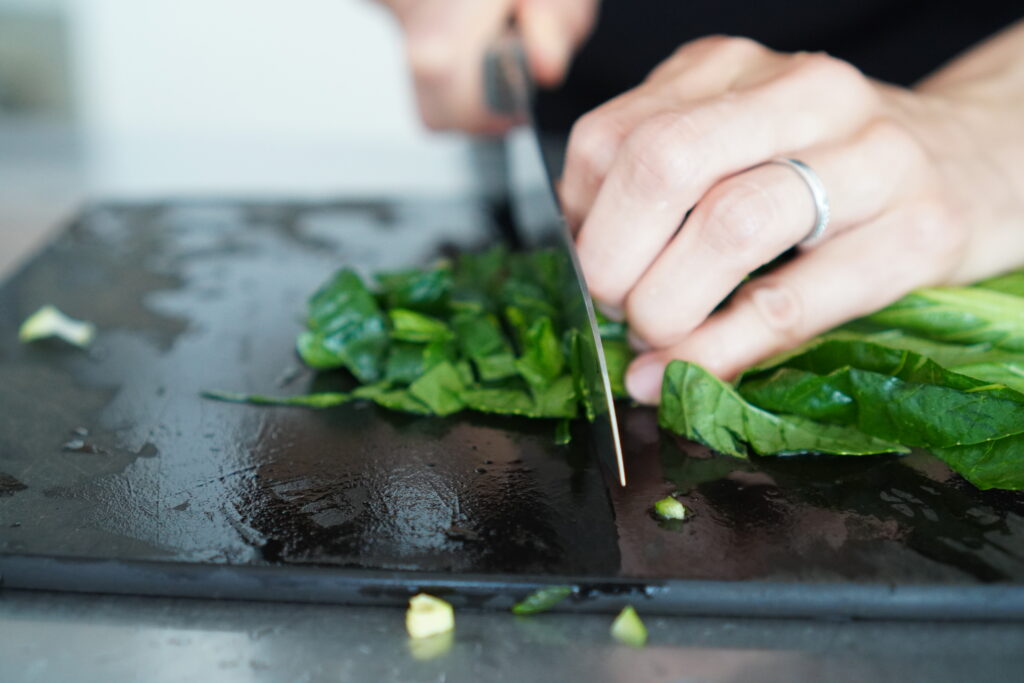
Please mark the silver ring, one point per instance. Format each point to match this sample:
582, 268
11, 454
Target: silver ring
818, 194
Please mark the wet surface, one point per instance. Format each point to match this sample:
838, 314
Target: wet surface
111, 453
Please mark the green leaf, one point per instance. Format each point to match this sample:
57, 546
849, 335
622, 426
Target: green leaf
893, 394
320, 400
557, 399
916, 414
541, 600
411, 326
503, 401
440, 389
699, 406
997, 464
347, 329
581, 382
542, 360
963, 315
617, 356
404, 363
481, 339
1011, 283
424, 291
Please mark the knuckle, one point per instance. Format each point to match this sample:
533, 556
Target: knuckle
739, 47
658, 164
893, 140
833, 73
593, 140
735, 217
934, 232
780, 308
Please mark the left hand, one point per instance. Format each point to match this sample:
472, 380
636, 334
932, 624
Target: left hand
918, 190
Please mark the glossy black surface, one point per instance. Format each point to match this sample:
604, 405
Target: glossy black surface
111, 453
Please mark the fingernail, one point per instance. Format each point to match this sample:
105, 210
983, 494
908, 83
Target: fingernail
611, 312
643, 380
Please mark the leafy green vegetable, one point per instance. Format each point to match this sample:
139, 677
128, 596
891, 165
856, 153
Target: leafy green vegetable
494, 332
346, 329
481, 339
628, 629
411, 326
963, 315
892, 394
440, 389
699, 406
541, 600
488, 334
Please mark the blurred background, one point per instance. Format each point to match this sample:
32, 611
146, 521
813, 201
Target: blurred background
113, 99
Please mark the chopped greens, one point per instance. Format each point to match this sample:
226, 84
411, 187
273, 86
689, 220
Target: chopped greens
628, 629
49, 321
428, 616
488, 333
940, 369
670, 508
542, 600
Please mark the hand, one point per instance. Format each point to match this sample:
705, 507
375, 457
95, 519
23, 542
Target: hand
446, 41
925, 188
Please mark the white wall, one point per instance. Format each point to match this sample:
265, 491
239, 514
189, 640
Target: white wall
251, 97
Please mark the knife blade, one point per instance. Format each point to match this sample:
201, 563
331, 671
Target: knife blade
509, 91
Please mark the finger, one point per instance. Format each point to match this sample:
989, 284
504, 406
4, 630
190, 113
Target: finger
849, 276
699, 70
673, 159
445, 43
751, 218
552, 30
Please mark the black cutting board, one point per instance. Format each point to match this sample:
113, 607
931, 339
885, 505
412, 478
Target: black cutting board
115, 475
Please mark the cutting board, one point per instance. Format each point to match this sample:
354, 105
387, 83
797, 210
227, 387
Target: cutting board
116, 476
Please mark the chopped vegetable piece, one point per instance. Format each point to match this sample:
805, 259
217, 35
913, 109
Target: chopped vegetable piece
670, 508
628, 629
542, 600
48, 322
563, 432
427, 616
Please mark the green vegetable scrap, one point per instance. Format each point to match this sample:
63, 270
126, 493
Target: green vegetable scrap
670, 508
542, 600
489, 334
49, 321
628, 629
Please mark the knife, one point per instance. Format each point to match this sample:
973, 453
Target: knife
509, 91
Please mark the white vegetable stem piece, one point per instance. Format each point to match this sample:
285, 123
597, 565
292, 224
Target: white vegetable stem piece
427, 616
48, 321
628, 629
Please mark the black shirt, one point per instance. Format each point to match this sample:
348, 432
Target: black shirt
899, 41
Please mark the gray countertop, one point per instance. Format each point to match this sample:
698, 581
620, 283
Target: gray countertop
60, 637
49, 637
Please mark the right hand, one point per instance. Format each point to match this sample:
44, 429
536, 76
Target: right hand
446, 40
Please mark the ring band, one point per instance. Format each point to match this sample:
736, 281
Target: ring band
818, 194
